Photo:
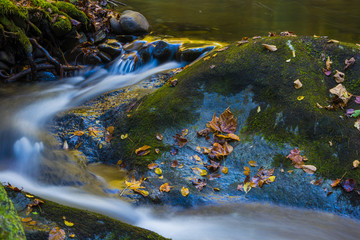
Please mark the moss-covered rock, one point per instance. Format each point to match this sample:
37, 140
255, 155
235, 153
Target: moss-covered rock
243, 78
10, 226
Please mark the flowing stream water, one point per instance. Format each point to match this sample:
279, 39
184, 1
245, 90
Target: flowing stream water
24, 114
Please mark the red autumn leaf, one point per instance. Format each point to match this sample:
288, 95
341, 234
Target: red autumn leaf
348, 185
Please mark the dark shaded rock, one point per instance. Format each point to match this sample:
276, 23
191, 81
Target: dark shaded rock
106, 58
134, 23
164, 51
7, 57
134, 46
191, 54
115, 25
92, 60
112, 47
99, 36
46, 76
4, 66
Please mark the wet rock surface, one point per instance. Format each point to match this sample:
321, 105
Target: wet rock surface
134, 23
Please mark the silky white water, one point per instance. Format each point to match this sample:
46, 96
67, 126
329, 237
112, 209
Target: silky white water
25, 114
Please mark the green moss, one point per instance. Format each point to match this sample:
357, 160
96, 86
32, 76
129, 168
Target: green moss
10, 226
61, 27
8, 8
73, 12
22, 38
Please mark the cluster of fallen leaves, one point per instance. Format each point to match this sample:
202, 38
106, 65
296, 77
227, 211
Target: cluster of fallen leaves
263, 176
298, 161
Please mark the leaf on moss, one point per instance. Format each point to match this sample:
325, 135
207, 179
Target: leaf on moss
69, 224
309, 169
328, 64
271, 48
297, 84
225, 170
339, 76
340, 92
153, 166
184, 191
159, 136
144, 150
349, 63
356, 164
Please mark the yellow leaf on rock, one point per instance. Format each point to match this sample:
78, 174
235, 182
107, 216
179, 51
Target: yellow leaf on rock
144, 150
271, 48
165, 187
142, 192
253, 164
203, 172
356, 163
197, 158
158, 171
79, 133
216, 189
247, 187
225, 170
299, 98
110, 130
184, 191
271, 179
69, 224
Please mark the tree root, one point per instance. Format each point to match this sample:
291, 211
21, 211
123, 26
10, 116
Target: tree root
19, 75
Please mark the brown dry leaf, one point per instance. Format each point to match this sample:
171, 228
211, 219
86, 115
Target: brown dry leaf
184, 191
225, 170
309, 169
339, 76
213, 176
246, 171
357, 124
328, 64
213, 166
79, 133
180, 140
57, 234
199, 183
297, 84
341, 93
204, 133
222, 49
153, 166
159, 136
227, 122
349, 62
356, 163
253, 164
214, 124
165, 187
174, 164
271, 48
110, 130
238, 43
144, 150
296, 158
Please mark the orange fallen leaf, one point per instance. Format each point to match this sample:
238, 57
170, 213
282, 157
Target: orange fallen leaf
110, 129
144, 150
225, 170
253, 164
335, 182
57, 234
153, 165
25, 220
165, 187
79, 133
246, 171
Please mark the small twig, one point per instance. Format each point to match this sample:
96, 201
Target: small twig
47, 55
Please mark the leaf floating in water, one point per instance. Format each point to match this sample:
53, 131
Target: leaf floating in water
184, 191
57, 234
144, 150
297, 84
271, 48
69, 224
153, 166
159, 136
165, 187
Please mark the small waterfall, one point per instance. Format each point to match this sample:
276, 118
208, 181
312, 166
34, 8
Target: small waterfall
125, 64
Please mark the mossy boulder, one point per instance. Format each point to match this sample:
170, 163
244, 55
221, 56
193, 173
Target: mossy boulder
244, 78
10, 226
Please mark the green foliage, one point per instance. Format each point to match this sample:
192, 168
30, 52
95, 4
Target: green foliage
8, 8
61, 27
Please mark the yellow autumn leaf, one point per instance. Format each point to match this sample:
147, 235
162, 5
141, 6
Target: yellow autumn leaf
144, 150
184, 191
246, 171
271, 179
225, 170
216, 189
72, 235
356, 163
161, 177
253, 164
158, 171
110, 130
69, 224
33, 223
247, 187
119, 162
123, 136
299, 98
203, 172
29, 196
79, 133
197, 158
142, 192
100, 146
206, 58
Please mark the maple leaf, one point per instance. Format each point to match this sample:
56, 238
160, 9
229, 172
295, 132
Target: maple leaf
133, 184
